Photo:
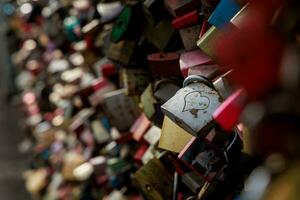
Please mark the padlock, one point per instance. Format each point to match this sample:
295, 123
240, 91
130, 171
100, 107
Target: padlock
154, 11
153, 135
223, 13
109, 10
189, 37
101, 135
173, 138
139, 127
207, 41
150, 182
93, 94
186, 20
160, 35
72, 28
117, 166
71, 161
128, 24
121, 51
140, 153
164, 89
36, 180
121, 110
91, 28
229, 112
223, 86
147, 101
208, 6
134, 81
238, 19
193, 181
180, 7
191, 59
205, 26
193, 105
209, 71
149, 154
262, 77
164, 64
99, 165
78, 121
203, 157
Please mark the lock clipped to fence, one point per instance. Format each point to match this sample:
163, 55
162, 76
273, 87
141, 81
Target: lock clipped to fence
192, 106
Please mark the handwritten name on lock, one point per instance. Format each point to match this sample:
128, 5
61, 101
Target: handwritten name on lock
192, 106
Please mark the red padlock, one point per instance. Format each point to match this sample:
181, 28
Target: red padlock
192, 59
164, 64
186, 20
139, 128
253, 51
228, 113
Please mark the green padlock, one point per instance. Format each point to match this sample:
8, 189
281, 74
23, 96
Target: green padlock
128, 24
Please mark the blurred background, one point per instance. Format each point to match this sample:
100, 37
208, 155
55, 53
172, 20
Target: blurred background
149, 99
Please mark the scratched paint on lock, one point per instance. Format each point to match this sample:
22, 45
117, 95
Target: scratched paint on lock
195, 101
191, 108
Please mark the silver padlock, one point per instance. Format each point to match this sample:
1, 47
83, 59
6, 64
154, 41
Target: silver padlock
193, 105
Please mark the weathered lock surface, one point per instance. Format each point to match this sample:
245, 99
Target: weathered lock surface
147, 101
121, 110
173, 138
192, 106
164, 89
189, 37
207, 41
155, 180
164, 64
121, 51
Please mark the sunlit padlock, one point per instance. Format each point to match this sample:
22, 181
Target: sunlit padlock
192, 106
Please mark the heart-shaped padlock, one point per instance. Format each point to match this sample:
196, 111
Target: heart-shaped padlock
192, 106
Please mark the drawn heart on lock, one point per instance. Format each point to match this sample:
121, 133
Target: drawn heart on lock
195, 101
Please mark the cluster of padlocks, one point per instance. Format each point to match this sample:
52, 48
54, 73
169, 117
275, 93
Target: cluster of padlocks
158, 99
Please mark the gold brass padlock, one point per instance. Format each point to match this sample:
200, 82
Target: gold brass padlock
155, 180
173, 138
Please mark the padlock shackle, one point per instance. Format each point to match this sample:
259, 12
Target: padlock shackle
159, 83
197, 78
